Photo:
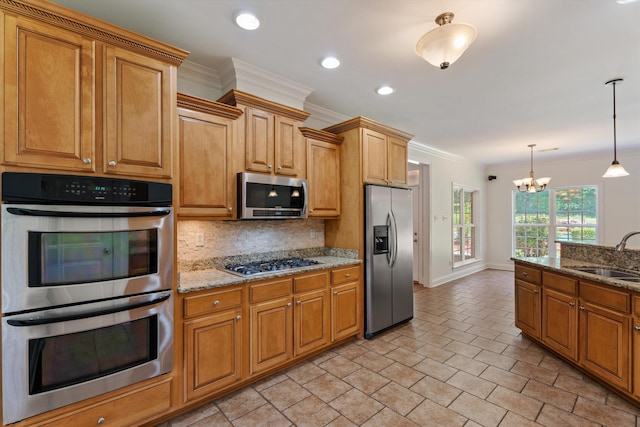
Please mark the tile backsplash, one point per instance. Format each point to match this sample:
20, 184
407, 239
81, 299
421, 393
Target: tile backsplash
227, 238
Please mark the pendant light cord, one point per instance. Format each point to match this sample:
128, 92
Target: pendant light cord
615, 159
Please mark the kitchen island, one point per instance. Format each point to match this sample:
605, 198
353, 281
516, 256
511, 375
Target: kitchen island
590, 320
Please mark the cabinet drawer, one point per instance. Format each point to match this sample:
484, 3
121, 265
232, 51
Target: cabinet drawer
528, 274
560, 283
270, 290
141, 406
212, 302
311, 282
344, 275
636, 306
605, 297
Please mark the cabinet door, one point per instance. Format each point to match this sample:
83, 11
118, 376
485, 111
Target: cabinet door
259, 133
271, 334
345, 319
288, 144
140, 114
398, 158
560, 323
311, 321
528, 308
374, 157
323, 175
206, 177
49, 75
635, 355
212, 353
605, 339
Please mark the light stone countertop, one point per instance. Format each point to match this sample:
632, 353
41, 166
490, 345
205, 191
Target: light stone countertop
215, 278
567, 265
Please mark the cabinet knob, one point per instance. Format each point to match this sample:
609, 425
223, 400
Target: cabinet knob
582, 308
636, 328
572, 304
524, 273
230, 209
289, 305
112, 163
298, 302
347, 275
279, 167
269, 166
101, 420
310, 210
216, 302
238, 317
535, 291
86, 161
335, 292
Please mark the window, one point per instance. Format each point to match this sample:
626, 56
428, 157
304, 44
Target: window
563, 214
464, 228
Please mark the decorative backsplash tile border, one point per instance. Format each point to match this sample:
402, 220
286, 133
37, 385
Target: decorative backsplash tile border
628, 259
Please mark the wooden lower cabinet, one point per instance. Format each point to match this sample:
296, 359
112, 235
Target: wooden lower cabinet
528, 308
311, 321
129, 409
560, 322
605, 337
212, 354
271, 334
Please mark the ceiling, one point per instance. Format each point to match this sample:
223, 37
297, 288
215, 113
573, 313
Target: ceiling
534, 75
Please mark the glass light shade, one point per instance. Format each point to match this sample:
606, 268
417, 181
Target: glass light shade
443, 45
615, 170
542, 182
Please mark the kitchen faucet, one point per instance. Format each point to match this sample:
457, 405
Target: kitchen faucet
620, 246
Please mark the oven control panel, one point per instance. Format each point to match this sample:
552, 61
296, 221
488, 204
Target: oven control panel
19, 187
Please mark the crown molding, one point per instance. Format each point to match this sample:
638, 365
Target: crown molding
323, 117
433, 152
200, 75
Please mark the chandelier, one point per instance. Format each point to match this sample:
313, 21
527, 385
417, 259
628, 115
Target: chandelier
615, 170
443, 45
530, 184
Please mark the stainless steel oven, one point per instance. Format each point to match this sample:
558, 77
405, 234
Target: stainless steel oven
87, 288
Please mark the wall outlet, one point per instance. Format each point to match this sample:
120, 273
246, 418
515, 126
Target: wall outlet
199, 239
312, 233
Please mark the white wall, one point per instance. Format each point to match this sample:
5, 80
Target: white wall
446, 170
618, 198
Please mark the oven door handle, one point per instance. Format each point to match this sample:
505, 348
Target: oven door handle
49, 320
63, 214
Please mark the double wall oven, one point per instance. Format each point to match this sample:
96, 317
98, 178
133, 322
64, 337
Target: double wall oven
87, 299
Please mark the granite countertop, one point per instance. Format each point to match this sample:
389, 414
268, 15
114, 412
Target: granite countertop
214, 278
567, 265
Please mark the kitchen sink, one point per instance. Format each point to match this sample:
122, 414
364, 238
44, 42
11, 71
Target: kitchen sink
613, 274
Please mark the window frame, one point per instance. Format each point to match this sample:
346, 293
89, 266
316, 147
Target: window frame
472, 226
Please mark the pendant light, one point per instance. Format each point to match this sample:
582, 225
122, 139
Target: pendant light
443, 45
615, 170
530, 184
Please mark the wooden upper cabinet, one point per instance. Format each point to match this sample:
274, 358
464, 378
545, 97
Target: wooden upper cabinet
139, 114
383, 150
82, 95
323, 172
273, 142
206, 140
49, 104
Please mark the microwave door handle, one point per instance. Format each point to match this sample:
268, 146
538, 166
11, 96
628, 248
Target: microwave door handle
57, 319
66, 214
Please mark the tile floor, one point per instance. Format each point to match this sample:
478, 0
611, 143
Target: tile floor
459, 362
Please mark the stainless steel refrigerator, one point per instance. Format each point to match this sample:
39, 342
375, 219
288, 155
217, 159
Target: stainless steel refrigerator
388, 257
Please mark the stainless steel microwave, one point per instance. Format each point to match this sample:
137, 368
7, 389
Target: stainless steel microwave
271, 197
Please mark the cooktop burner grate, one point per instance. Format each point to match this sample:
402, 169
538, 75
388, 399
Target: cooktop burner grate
271, 266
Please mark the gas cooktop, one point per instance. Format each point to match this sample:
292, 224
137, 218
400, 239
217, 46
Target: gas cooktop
262, 267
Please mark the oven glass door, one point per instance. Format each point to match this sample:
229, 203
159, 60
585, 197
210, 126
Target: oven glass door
71, 257
52, 358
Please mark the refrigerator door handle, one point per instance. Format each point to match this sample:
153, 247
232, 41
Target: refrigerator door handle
394, 239
389, 240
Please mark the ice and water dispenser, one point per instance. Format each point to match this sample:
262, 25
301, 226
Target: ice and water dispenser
380, 239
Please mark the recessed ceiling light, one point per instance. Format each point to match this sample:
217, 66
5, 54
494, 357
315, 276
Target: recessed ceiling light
384, 90
625, 1
330, 62
247, 21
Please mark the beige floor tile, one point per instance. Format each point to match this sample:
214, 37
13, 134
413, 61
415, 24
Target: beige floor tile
617, 402
311, 412
285, 394
340, 366
603, 414
518, 403
515, 420
217, 420
459, 336
240, 403
463, 363
583, 387
356, 406
494, 359
207, 411
408, 342
327, 387
341, 421
506, 379
514, 340
402, 374
435, 353
386, 418
478, 410
534, 372
553, 364
435, 369
404, 356
436, 390
366, 380
532, 355
472, 384
379, 345
373, 361
430, 414
351, 351
266, 415
550, 416
483, 332
305, 372
398, 398
488, 344
559, 398
461, 348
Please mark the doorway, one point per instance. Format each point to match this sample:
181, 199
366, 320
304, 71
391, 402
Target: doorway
419, 176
